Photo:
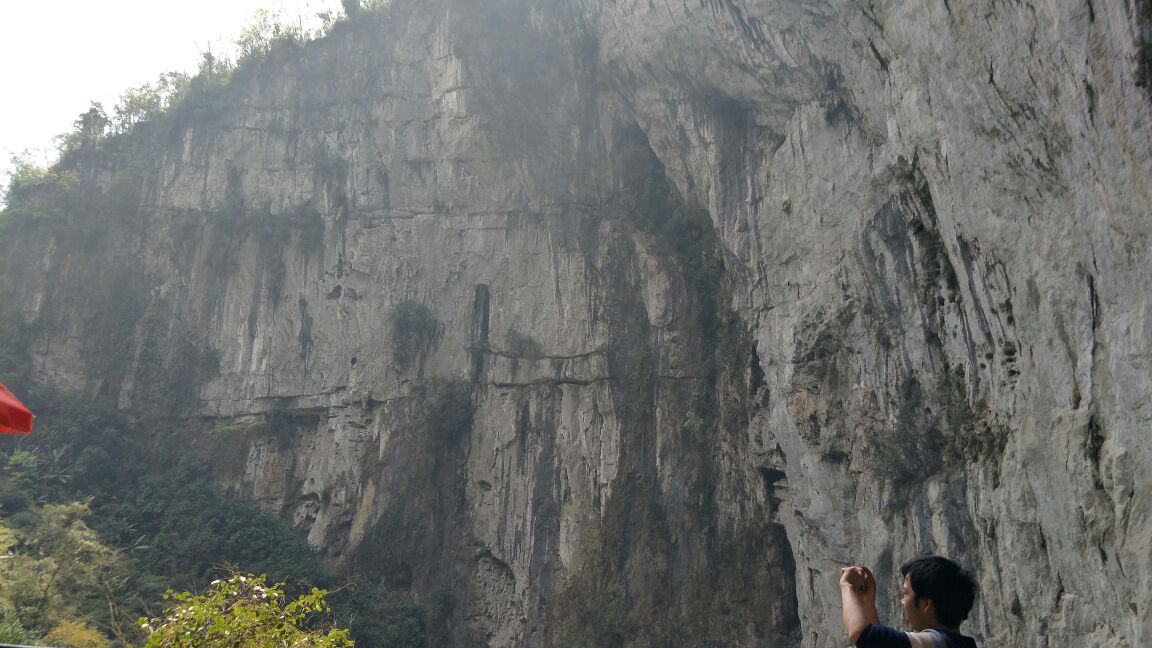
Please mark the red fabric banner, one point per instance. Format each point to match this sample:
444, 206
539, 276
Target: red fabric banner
15, 418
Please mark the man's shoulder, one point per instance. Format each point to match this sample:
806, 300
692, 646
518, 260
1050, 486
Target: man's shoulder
950, 639
881, 636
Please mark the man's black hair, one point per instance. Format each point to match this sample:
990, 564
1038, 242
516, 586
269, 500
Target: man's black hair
950, 587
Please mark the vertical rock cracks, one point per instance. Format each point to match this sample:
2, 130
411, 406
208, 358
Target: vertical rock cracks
628, 324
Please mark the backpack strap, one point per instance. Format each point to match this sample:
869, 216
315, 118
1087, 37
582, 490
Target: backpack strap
941, 639
927, 639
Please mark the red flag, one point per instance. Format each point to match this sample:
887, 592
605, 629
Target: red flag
14, 417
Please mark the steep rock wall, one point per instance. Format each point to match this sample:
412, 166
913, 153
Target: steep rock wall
629, 323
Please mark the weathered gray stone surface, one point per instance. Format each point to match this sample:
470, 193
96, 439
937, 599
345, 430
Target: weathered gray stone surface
704, 300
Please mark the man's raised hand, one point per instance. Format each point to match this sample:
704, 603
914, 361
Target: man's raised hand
860, 580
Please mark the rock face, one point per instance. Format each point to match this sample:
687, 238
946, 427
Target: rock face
629, 323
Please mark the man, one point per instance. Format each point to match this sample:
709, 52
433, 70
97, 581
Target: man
938, 594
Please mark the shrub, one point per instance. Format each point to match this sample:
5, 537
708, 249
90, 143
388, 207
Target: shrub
76, 634
243, 610
10, 629
522, 345
446, 414
413, 330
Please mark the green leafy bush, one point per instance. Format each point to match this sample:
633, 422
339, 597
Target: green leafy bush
10, 629
58, 578
243, 610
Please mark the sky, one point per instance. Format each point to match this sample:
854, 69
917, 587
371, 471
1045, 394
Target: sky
57, 56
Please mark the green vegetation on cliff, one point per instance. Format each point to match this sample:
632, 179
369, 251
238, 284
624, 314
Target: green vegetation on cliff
143, 514
186, 96
99, 522
58, 580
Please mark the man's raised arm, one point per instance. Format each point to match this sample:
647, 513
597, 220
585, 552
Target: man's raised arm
858, 596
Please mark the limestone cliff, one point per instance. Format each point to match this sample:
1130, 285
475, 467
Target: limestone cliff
628, 323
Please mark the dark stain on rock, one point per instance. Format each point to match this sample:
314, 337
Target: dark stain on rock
305, 335
479, 333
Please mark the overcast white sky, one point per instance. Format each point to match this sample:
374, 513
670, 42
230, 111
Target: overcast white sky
56, 56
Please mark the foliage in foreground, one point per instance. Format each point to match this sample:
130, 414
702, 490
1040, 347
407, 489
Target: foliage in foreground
165, 524
243, 610
57, 578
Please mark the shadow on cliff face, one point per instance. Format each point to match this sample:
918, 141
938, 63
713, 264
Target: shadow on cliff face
936, 418
416, 545
668, 547
891, 385
1143, 72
